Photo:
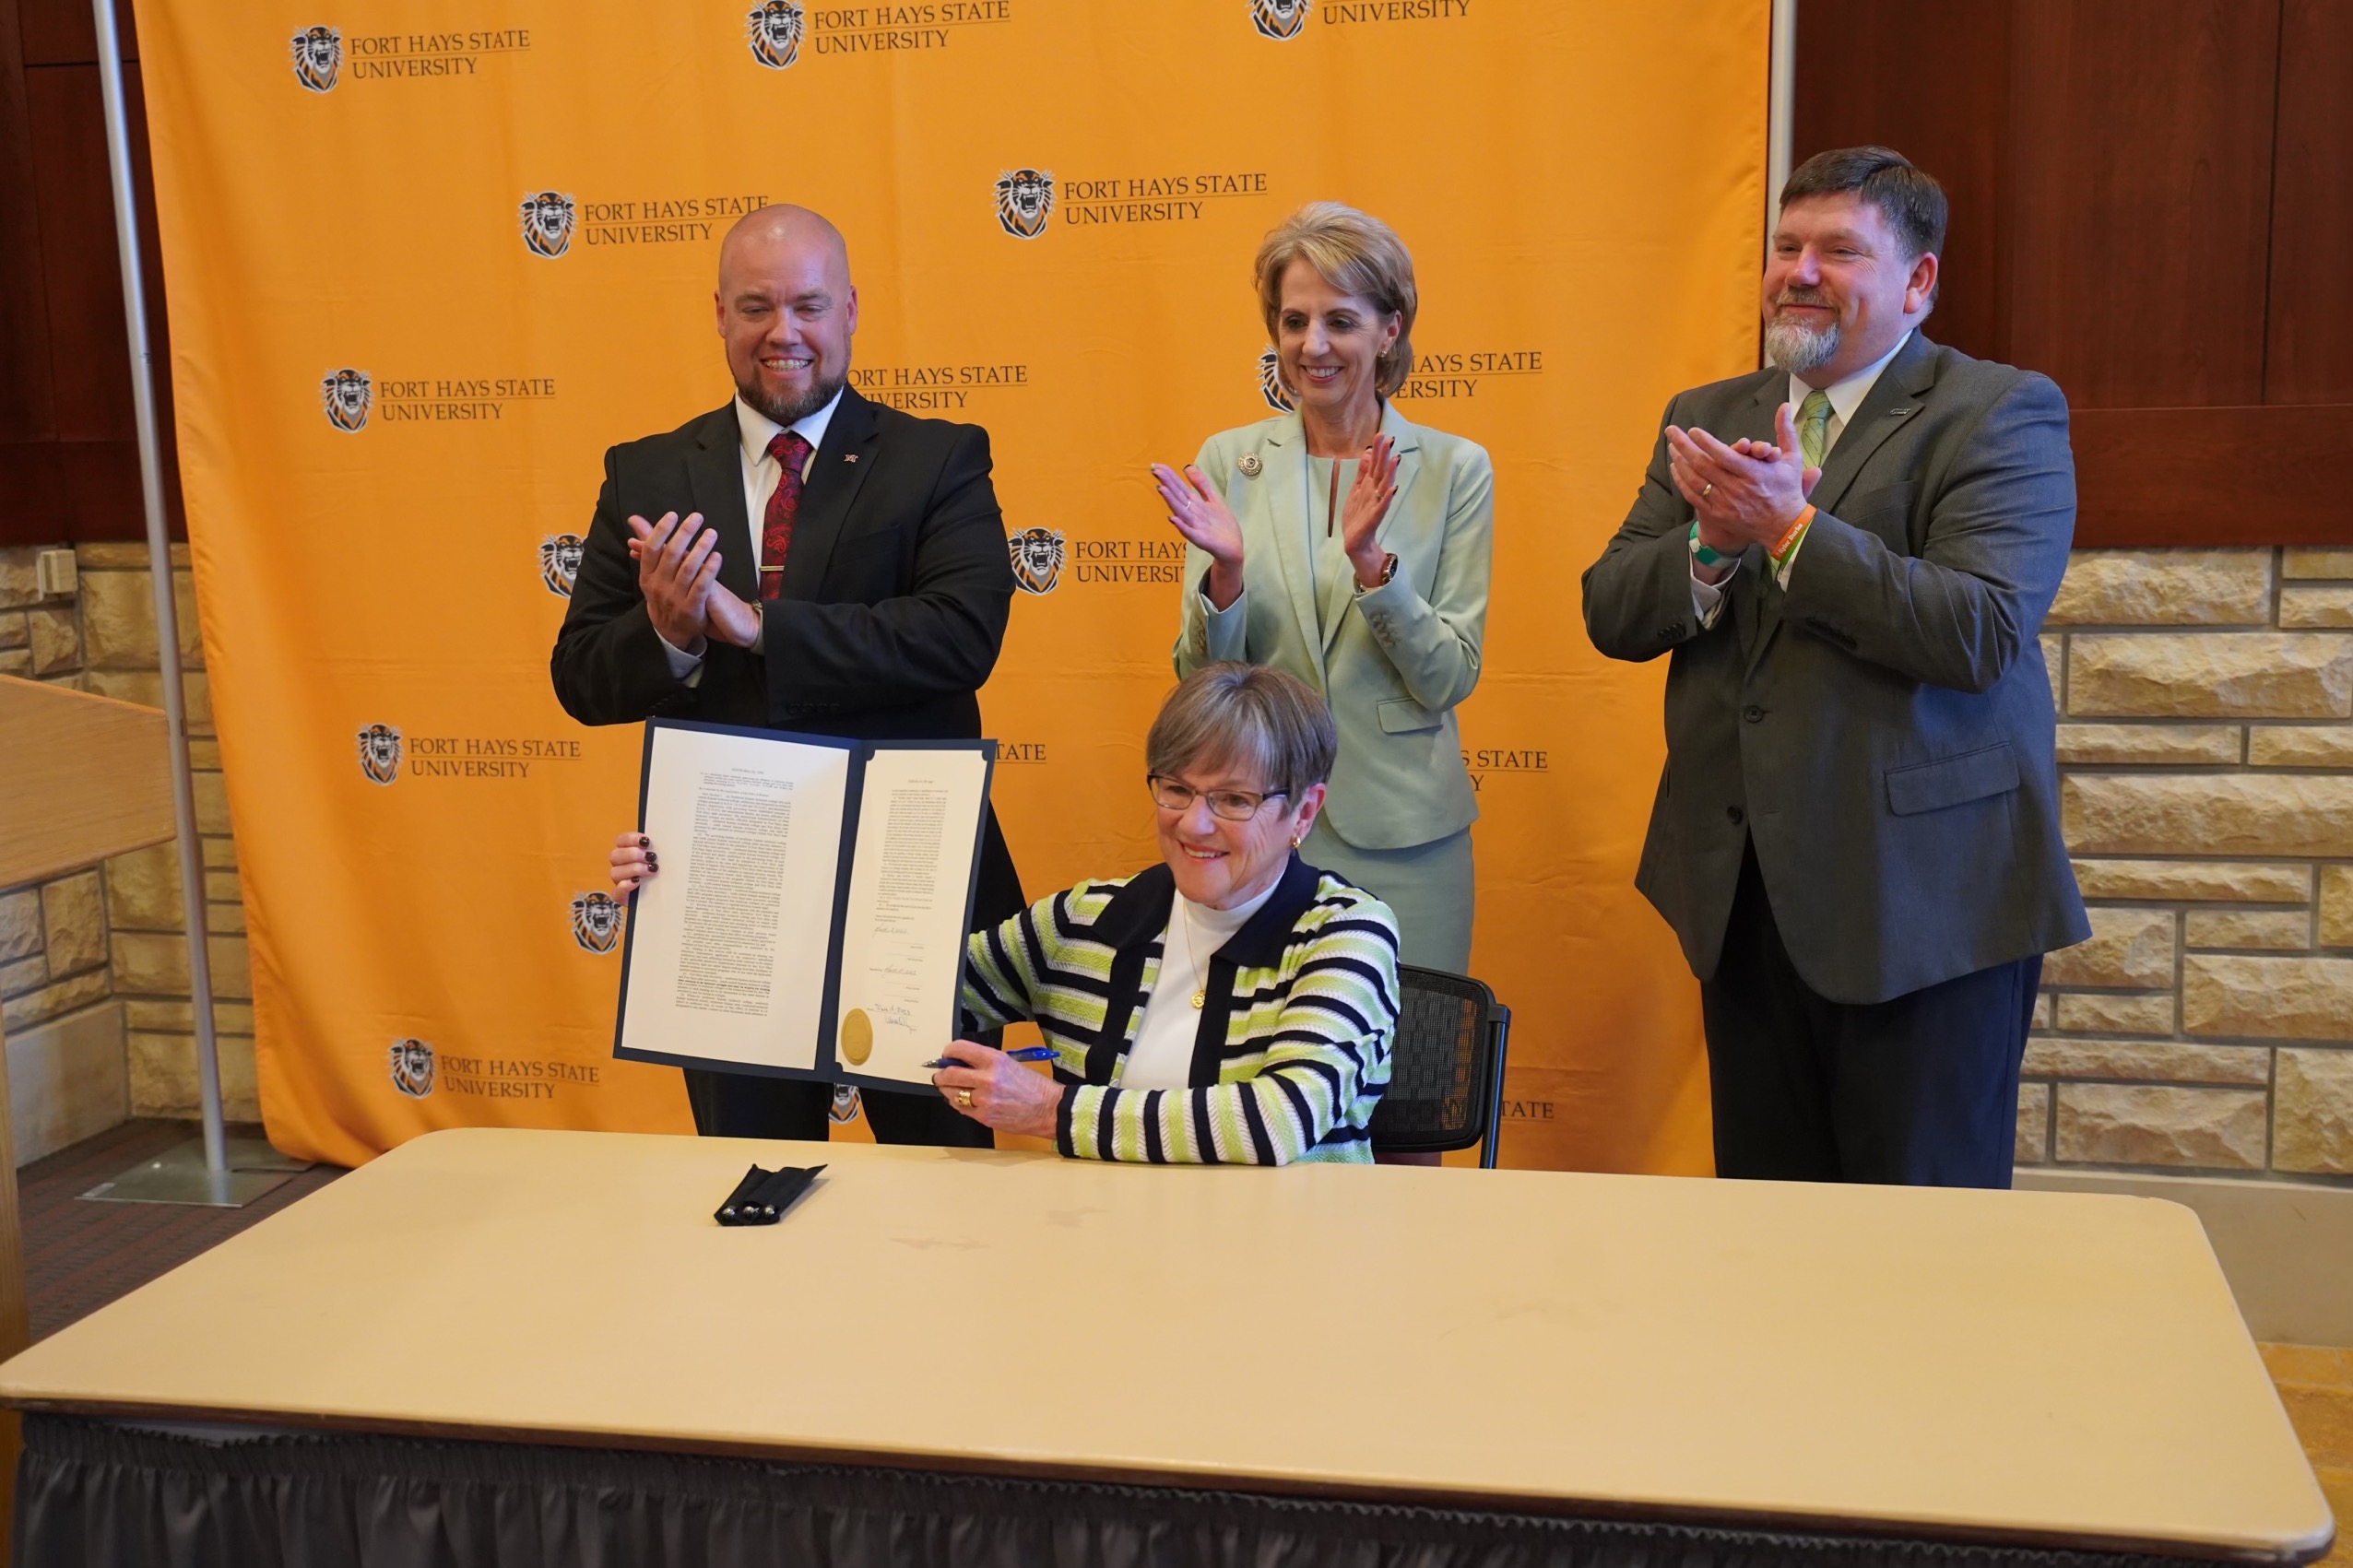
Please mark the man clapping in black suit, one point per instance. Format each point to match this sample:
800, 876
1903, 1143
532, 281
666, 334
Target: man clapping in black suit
814, 561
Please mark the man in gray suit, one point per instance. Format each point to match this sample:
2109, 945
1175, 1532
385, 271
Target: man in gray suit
1848, 557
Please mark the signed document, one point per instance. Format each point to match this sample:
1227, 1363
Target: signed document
810, 916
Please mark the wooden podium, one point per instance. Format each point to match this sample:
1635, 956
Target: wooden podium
81, 778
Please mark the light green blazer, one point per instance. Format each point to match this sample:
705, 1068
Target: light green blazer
1392, 662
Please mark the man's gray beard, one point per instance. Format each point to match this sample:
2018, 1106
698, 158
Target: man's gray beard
789, 412
1794, 349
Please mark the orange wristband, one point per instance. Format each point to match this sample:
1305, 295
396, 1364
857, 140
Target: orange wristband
1782, 546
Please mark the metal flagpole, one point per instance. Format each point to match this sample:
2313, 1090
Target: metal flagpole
1780, 116
177, 1177
1780, 111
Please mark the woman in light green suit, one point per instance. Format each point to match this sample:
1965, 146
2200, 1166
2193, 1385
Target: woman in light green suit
1349, 547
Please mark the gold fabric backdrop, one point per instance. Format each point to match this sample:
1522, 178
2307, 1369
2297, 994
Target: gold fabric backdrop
426, 263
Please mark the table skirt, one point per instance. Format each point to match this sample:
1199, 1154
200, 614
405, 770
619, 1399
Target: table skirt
94, 1493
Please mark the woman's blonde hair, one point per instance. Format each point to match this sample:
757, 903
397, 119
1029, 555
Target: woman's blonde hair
1356, 253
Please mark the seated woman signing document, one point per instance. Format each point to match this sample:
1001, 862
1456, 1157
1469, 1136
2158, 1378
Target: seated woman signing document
1232, 1005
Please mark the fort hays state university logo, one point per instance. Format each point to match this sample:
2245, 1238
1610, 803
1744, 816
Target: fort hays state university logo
1037, 559
380, 753
346, 395
560, 563
318, 55
547, 223
1024, 201
412, 1067
1278, 397
1278, 19
596, 922
774, 32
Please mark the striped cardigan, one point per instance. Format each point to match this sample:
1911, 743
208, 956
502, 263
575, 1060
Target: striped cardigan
1292, 1050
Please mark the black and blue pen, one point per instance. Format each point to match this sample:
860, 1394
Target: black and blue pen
1026, 1053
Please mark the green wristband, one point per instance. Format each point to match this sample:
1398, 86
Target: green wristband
1700, 553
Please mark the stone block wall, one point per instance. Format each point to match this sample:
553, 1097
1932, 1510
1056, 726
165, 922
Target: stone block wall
2205, 751
112, 934
2206, 744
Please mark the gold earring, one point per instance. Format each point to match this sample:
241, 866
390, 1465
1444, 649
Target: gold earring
1296, 842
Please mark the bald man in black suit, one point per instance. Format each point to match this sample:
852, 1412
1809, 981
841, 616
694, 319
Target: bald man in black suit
800, 559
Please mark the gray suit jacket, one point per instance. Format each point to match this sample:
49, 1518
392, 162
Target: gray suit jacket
1883, 729
1394, 662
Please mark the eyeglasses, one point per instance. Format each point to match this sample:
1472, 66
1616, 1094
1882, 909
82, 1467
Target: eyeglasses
1233, 804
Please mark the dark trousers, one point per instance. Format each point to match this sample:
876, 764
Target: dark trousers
1920, 1090
748, 1105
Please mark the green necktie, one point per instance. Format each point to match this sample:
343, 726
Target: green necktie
1814, 427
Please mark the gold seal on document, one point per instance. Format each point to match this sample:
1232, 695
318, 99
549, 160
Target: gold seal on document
857, 1037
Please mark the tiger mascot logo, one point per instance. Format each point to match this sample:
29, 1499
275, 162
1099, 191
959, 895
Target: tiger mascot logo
775, 31
412, 1067
596, 922
380, 753
1037, 559
846, 1104
1024, 201
346, 395
1278, 397
1278, 19
318, 55
560, 563
547, 224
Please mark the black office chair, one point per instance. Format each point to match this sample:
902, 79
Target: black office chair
1446, 1067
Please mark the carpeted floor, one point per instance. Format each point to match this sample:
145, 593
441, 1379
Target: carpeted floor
78, 1255
2316, 1385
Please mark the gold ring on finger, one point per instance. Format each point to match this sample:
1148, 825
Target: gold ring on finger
1706, 489
963, 1098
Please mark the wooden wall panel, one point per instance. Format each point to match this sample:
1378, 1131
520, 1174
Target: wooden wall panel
2141, 162
25, 410
58, 32
85, 286
2309, 349
1945, 111
2212, 475
68, 460
2152, 202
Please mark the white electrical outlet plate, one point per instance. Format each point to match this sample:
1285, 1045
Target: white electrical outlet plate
52, 573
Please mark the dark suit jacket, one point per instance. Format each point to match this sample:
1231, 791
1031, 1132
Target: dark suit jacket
1882, 731
893, 608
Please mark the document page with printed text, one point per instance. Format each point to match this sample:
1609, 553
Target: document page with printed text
728, 944
903, 939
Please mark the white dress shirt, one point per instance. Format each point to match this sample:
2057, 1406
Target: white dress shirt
1161, 1057
760, 475
1846, 395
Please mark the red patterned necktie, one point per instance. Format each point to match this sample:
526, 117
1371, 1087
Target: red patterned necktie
790, 449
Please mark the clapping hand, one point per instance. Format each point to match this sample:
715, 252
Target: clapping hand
676, 566
1369, 503
1209, 525
677, 570
1747, 493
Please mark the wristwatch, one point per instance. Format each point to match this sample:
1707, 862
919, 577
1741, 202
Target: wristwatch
1700, 553
1389, 570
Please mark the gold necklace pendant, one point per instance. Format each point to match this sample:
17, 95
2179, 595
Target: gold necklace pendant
1185, 929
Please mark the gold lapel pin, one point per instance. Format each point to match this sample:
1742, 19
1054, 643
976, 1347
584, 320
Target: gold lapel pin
1250, 465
